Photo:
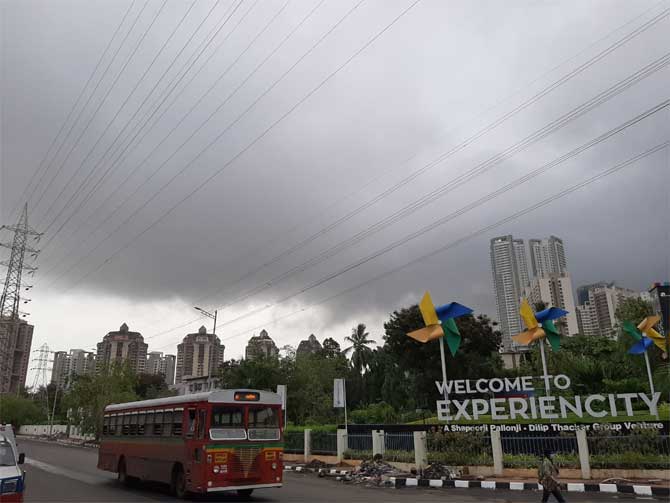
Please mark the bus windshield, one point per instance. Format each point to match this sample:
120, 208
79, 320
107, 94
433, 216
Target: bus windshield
263, 423
227, 423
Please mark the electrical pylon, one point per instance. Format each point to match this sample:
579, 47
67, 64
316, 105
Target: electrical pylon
11, 292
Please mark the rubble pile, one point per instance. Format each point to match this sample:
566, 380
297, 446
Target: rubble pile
439, 471
373, 471
317, 464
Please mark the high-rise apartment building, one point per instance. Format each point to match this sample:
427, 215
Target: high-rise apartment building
18, 337
261, 345
510, 276
199, 355
555, 290
159, 364
60, 369
122, 346
596, 315
547, 256
69, 365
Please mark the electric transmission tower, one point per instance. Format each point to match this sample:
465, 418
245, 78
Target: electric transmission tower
11, 292
41, 367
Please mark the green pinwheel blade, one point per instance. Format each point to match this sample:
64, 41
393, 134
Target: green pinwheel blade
630, 328
550, 328
554, 341
452, 335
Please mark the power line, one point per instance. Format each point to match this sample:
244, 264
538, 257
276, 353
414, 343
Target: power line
111, 121
111, 61
472, 235
442, 157
178, 124
461, 179
102, 102
455, 214
72, 109
159, 80
406, 180
169, 88
100, 181
250, 145
590, 62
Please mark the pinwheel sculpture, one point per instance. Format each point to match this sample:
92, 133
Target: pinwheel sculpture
440, 325
539, 326
645, 336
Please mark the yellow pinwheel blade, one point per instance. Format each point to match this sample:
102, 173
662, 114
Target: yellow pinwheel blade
648, 323
527, 315
427, 334
529, 336
658, 339
427, 309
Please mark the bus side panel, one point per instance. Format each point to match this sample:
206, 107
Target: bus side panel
108, 458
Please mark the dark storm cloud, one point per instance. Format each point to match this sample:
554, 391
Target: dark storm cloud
440, 74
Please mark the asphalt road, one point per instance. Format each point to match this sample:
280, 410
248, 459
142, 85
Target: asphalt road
58, 473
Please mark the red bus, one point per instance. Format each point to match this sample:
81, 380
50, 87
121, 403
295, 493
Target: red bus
223, 440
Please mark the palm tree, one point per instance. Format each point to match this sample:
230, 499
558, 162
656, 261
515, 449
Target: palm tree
360, 352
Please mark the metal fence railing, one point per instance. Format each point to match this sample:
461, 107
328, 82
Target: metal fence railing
459, 448
399, 447
294, 442
324, 443
644, 450
525, 452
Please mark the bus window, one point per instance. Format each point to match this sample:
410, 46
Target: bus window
141, 422
263, 423
176, 422
227, 424
126, 424
167, 423
149, 423
190, 427
158, 422
112, 424
133, 424
202, 414
105, 425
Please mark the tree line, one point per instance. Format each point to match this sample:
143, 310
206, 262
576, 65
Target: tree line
389, 378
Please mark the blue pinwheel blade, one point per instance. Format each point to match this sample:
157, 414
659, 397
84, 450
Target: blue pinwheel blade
640, 346
452, 310
551, 313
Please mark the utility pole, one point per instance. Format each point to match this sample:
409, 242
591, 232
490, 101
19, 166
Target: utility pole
209, 315
11, 293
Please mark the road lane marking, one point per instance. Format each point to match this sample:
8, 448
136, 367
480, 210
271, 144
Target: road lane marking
64, 472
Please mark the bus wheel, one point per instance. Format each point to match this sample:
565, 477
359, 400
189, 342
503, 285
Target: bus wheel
244, 493
178, 485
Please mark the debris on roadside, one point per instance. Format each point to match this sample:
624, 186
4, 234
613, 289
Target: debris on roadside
439, 470
317, 464
372, 472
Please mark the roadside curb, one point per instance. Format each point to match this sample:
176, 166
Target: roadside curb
577, 487
638, 490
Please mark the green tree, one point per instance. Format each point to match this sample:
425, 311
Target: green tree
360, 352
17, 411
151, 386
420, 363
89, 395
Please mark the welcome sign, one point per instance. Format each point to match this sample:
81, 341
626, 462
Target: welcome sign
541, 407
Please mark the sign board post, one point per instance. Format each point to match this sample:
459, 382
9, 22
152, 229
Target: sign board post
281, 391
340, 398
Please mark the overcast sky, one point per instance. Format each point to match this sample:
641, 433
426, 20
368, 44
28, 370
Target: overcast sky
276, 133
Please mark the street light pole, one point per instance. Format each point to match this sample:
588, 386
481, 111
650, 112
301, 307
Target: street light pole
209, 315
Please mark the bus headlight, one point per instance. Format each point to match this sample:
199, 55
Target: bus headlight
215, 469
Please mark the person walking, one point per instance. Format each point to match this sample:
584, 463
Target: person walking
548, 477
